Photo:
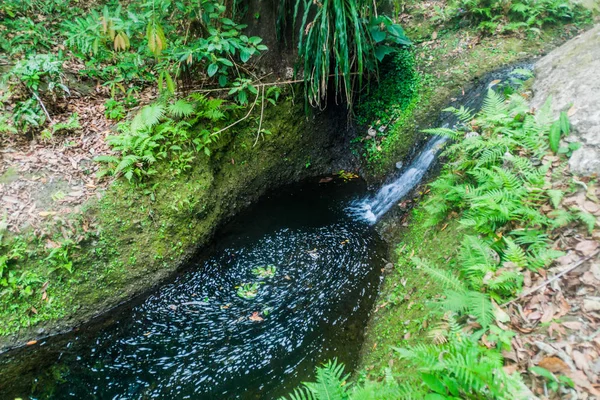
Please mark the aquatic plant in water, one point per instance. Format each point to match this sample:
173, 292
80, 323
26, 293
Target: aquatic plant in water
264, 272
248, 291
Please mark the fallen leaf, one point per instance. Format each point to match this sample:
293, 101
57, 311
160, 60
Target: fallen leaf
591, 304
580, 360
573, 325
586, 247
31, 343
554, 364
255, 317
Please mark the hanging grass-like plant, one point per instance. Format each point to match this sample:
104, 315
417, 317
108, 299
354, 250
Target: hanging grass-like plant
342, 39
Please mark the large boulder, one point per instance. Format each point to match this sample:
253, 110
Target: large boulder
570, 75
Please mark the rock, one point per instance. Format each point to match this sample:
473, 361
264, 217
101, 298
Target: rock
592, 5
569, 75
399, 164
591, 304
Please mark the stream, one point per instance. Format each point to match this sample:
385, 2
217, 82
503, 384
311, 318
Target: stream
195, 337
285, 286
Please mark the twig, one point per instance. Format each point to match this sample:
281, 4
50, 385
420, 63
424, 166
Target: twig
43, 108
262, 110
239, 120
535, 289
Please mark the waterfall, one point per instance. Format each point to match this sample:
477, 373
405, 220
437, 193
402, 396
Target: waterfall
372, 208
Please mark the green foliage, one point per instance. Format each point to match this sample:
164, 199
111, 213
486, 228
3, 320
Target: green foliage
554, 383
114, 109
248, 291
163, 131
499, 191
15, 282
343, 38
460, 368
60, 257
385, 106
330, 384
495, 16
29, 82
241, 88
267, 271
70, 125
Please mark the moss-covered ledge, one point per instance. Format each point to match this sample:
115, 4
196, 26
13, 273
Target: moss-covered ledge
136, 236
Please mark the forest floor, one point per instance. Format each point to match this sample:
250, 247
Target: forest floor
555, 320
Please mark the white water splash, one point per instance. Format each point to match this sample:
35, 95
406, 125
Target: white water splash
372, 208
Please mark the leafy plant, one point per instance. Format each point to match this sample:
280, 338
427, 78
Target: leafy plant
554, 382
160, 130
460, 368
248, 291
267, 271
341, 38
114, 109
60, 257
510, 15
31, 80
70, 125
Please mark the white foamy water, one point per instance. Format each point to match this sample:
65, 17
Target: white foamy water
372, 208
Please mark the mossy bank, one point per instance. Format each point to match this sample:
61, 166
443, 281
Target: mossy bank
135, 236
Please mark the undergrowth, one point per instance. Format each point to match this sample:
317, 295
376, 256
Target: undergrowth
496, 182
382, 111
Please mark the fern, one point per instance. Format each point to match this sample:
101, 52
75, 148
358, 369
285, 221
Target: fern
330, 384
181, 108
588, 219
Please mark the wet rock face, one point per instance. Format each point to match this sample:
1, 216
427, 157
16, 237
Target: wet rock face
570, 75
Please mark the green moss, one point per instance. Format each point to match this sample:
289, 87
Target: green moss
402, 315
447, 66
137, 235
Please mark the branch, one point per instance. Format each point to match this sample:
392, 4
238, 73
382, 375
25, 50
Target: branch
239, 120
43, 108
262, 110
535, 289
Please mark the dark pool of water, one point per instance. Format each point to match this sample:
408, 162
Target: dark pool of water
314, 308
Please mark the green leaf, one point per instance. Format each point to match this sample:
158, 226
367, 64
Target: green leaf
225, 61
245, 54
435, 396
574, 146
554, 136
543, 372
170, 83
382, 51
377, 34
565, 125
212, 69
434, 383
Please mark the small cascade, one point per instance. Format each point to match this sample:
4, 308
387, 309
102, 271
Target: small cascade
372, 208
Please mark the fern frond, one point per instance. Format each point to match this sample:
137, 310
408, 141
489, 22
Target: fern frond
181, 108
445, 278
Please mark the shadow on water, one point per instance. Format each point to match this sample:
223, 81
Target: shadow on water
193, 337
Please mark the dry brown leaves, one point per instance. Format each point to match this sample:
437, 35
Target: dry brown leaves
43, 180
558, 326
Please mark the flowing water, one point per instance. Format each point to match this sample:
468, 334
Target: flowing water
193, 337
374, 207
196, 338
